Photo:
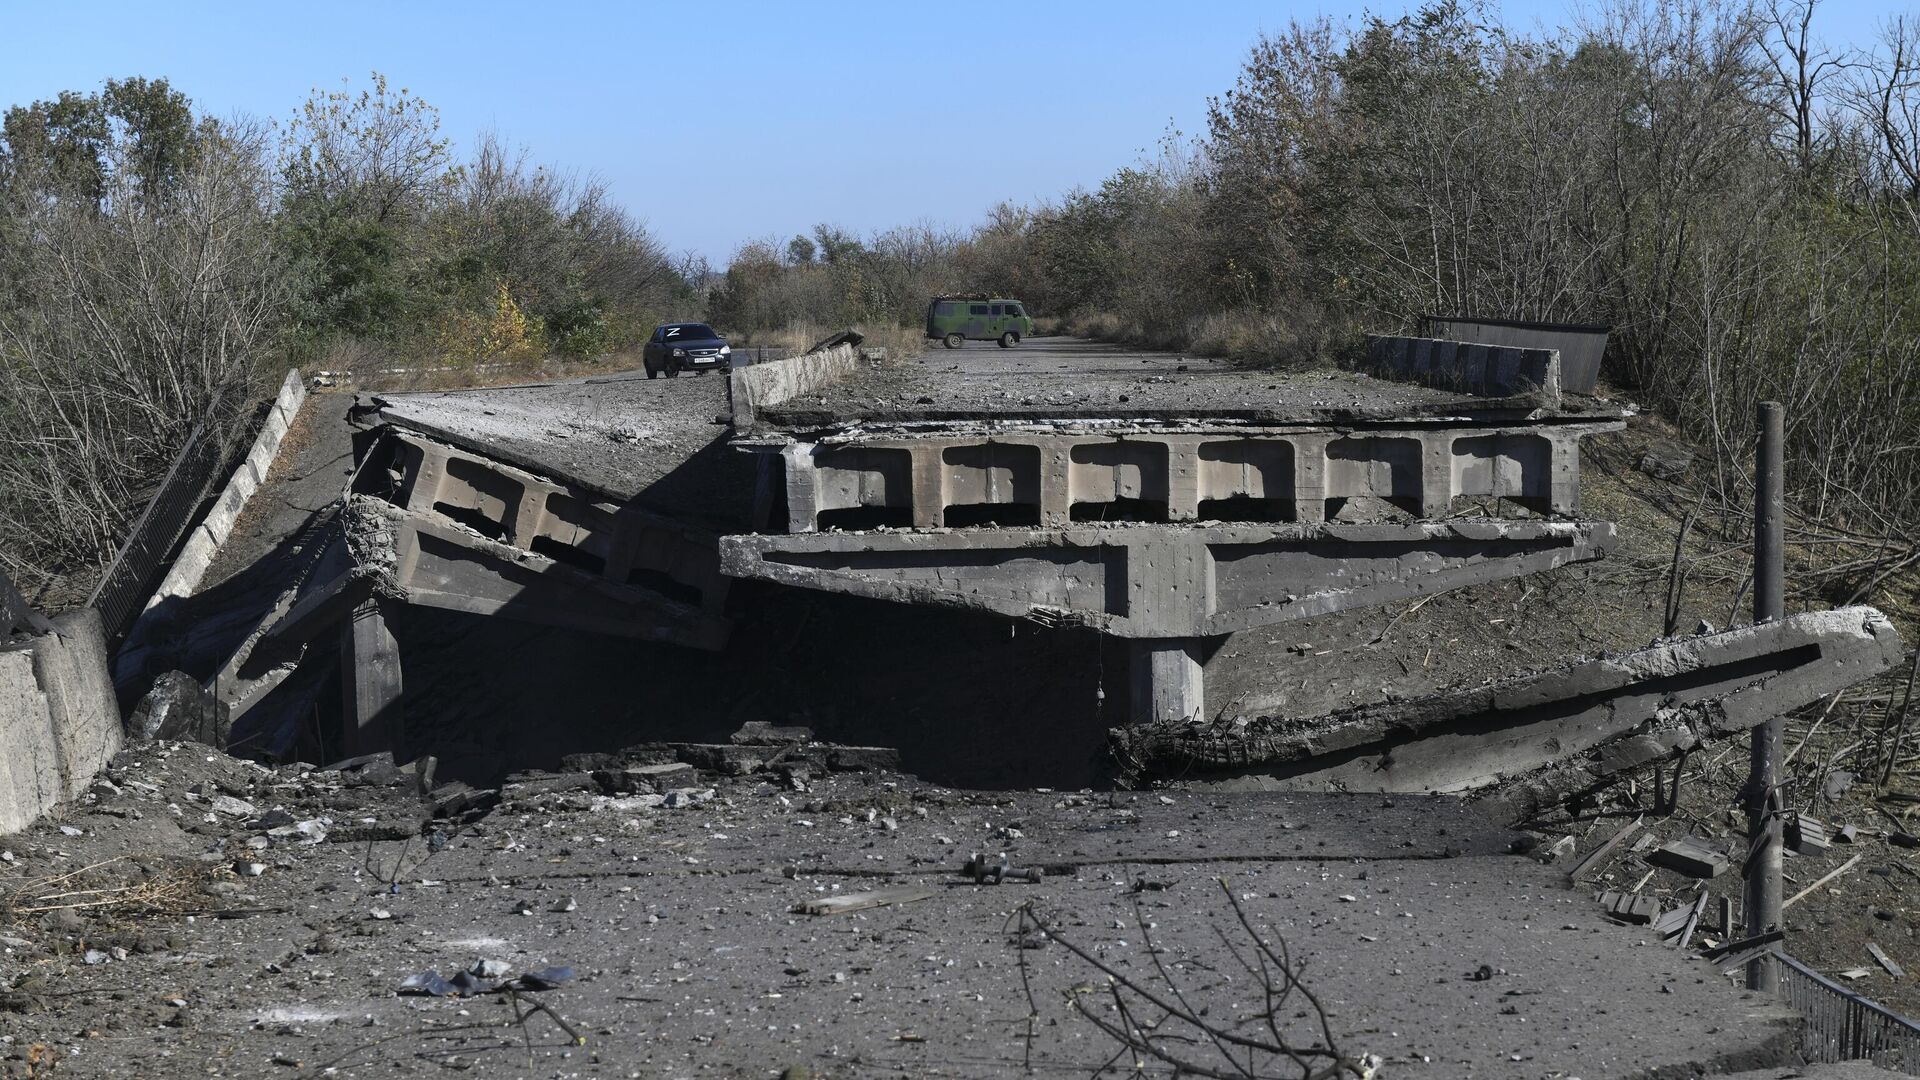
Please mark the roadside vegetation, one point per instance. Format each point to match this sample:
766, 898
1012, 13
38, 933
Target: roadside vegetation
159, 267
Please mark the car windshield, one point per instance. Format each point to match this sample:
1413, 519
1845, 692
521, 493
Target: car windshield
692, 331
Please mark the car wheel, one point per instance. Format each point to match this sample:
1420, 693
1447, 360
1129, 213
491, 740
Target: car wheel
954, 341
1009, 339
672, 372
652, 372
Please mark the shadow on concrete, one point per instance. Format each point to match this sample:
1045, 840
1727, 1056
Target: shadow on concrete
969, 701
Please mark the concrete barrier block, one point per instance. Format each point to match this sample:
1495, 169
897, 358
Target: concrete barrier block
762, 386
59, 721
195, 557
72, 670
1467, 367
29, 769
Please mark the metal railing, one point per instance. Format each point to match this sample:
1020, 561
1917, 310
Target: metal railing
135, 570
1843, 1026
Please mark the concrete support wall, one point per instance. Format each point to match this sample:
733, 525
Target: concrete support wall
1052, 478
1169, 681
760, 386
59, 723
371, 682
1166, 581
1467, 367
207, 537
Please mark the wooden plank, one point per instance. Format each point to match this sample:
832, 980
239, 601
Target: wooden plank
1744, 944
1880, 957
1671, 921
1598, 855
1843, 868
1693, 919
860, 901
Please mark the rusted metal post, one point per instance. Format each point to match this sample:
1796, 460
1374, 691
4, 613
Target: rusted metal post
1763, 869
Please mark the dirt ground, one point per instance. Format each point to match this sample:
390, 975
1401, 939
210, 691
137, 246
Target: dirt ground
198, 915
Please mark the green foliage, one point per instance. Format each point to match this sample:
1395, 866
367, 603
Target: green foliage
402, 244
67, 147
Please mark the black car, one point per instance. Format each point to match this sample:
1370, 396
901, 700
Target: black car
685, 346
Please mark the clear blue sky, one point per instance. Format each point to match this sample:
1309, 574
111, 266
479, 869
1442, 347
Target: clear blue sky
723, 122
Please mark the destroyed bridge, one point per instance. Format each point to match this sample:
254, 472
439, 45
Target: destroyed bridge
1164, 504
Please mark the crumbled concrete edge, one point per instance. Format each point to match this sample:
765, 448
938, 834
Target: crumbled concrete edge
59, 720
368, 526
1854, 643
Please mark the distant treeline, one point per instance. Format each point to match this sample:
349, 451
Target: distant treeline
1738, 199
158, 264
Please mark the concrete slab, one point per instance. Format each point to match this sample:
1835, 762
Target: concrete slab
1067, 377
1669, 697
656, 443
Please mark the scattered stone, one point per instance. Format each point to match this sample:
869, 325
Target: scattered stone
1837, 784
1665, 459
658, 777
232, 807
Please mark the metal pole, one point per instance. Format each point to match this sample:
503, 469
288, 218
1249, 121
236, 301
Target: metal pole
1769, 602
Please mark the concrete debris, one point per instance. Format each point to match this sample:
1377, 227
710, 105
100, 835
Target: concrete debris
232, 807
1837, 783
179, 709
1690, 857
1629, 907
1665, 459
1887, 962
860, 901
473, 981
762, 733
1665, 699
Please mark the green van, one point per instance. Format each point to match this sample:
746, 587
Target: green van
958, 319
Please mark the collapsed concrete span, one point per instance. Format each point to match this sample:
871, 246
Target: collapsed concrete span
1063, 485
1555, 731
